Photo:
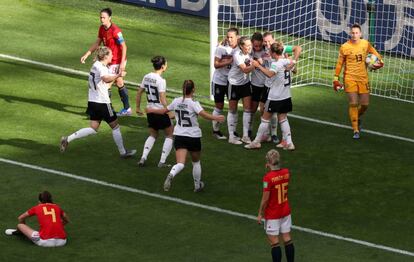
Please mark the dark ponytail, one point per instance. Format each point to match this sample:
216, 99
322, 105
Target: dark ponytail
188, 87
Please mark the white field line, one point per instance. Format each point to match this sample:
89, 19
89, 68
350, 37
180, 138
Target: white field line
78, 72
206, 207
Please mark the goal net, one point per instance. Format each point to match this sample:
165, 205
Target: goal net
320, 27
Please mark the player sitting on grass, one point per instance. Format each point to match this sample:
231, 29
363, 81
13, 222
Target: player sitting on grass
51, 221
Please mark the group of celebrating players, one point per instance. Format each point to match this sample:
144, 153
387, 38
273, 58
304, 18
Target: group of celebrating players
256, 70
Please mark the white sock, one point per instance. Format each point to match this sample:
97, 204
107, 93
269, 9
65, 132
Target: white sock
176, 169
285, 127
231, 123
262, 130
81, 133
166, 149
116, 134
216, 125
197, 174
247, 119
273, 125
149, 143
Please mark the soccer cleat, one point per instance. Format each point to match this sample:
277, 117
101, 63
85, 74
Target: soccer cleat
12, 232
356, 135
125, 112
141, 162
64, 143
219, 135
236, 135
234, 141
199, 188
163, 165
289, 147
128, 153
266, 138
246, 140
168, 182
253, 145
282, 144
275, 139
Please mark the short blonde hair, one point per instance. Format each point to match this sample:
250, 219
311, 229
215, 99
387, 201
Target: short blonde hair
273, 158
101, 52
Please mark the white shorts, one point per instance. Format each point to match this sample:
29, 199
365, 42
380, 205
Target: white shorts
273, 226
113, 69
52, 242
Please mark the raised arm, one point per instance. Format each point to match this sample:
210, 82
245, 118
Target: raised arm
93, 47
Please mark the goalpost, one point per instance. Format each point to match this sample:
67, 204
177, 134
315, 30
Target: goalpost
320, 27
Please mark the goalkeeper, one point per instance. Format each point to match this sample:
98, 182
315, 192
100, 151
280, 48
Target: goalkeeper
352, 56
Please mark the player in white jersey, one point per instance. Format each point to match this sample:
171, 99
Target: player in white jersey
99, 104
155, 87
288, 50
258, 78
279, 97
223, 59
239, 88
187, 133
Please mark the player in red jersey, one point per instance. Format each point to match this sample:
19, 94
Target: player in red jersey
111, 36
274, 207
51, 219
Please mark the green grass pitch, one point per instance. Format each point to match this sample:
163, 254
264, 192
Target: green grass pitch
357, 189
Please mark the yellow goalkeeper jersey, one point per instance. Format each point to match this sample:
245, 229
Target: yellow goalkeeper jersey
352, 56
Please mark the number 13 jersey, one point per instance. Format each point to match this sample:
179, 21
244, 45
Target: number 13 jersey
186, 113
154, 84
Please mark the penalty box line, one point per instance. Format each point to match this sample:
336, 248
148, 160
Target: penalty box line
202, 206
79, 72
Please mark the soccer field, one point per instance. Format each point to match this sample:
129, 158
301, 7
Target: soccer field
355, 189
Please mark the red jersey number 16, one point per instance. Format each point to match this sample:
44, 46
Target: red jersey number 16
281, 192
51, 212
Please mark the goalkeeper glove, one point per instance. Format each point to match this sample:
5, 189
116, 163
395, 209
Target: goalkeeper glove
378, 65
336, 84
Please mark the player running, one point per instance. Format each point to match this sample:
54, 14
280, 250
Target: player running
187, 133
279, 98
111, 36
99, 103
352, 56
274, 207
223, 59
155, 87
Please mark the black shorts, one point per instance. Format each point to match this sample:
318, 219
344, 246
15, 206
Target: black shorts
100, 111
157, 121
219, 91
265, 94
236, 92
192, 144
281, 106
257, 93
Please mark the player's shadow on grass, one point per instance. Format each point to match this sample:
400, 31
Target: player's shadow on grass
29, 144
77, 110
